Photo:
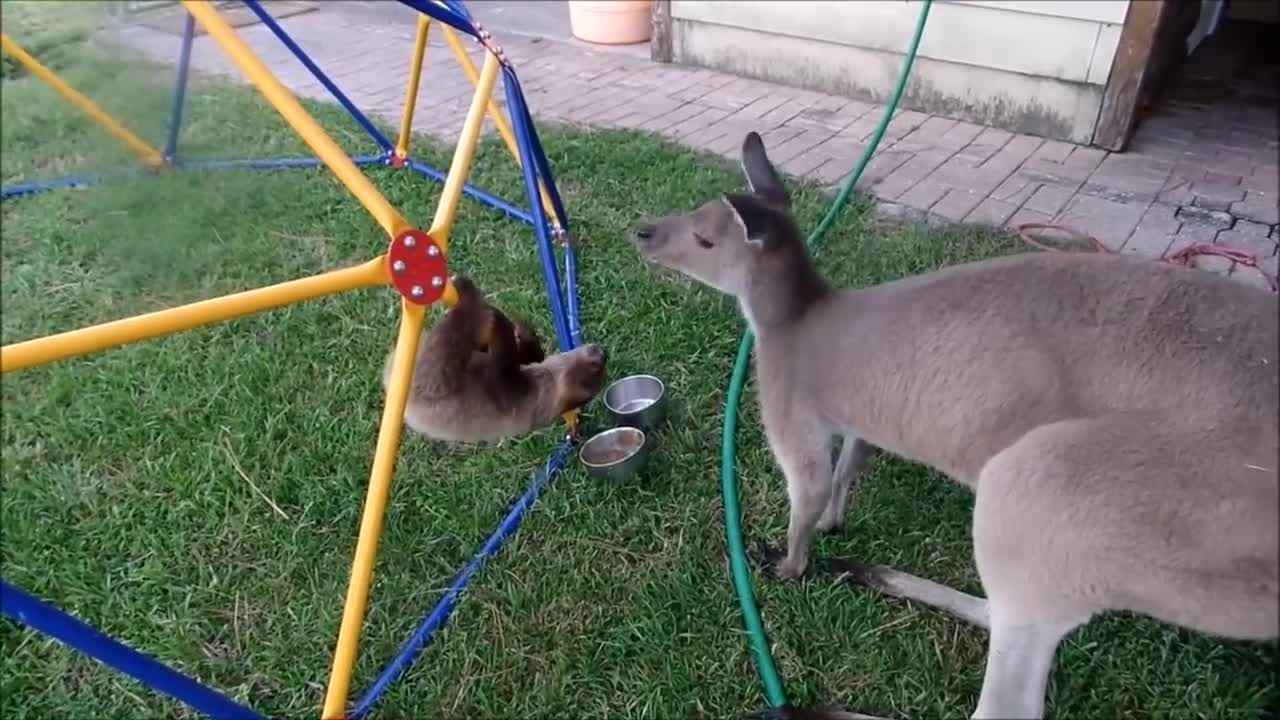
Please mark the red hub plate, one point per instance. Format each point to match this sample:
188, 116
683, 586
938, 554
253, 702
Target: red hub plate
417, 267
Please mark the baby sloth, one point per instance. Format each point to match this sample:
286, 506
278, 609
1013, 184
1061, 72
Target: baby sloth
479, 378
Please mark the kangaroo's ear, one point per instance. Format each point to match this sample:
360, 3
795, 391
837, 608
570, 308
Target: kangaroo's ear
762, 178
756, 217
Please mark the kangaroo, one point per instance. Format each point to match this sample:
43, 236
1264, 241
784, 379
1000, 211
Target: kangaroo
478, 377
1115, 417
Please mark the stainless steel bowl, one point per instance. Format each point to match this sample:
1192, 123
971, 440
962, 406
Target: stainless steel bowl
638, 401
616, 454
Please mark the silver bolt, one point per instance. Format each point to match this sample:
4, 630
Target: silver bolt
410, 242
398, 266
416, 291
433, 251
437, 282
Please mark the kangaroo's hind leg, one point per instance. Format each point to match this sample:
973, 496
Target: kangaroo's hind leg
1135, 511
1076, 518
847, 472
1039, 553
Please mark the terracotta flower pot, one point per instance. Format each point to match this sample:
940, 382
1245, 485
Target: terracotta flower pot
610, 22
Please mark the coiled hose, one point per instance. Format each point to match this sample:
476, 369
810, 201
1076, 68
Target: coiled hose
768, 672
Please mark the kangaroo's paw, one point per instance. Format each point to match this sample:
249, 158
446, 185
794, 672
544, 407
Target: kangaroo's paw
773, 560
831, 526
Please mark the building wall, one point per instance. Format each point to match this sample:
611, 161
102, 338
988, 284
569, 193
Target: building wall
1036, 66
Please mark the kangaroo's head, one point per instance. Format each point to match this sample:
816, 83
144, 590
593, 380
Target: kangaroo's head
734, 238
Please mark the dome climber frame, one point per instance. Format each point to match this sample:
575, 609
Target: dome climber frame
414, 263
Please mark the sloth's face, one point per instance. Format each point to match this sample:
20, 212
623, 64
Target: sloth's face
579, 374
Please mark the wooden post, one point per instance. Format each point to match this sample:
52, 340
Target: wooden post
660, 49
1129, 70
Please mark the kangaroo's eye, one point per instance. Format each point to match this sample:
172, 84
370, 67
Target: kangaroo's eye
703, 241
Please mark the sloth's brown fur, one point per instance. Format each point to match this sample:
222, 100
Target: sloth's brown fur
479, 378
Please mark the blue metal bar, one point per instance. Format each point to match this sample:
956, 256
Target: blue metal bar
302, 56
544, 168
547, 250
439, 615
35, 187
571, 293
264, 164
521, 113
42, 617
460, 8
180, 89
270, 163
444, 14
419, 167
479, 195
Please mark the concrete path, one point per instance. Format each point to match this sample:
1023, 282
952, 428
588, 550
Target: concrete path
1198, 171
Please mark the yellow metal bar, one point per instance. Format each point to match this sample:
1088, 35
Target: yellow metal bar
48, 349
411, 95
500, 121
384, 461
149, 155
302, 122
447, 206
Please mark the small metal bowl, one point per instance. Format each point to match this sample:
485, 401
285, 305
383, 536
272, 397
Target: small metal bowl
638, 401
616, 454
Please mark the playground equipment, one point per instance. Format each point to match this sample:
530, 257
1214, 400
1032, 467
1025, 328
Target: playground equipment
415, 264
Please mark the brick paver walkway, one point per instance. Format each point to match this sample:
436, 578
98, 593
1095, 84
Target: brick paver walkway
1197, 172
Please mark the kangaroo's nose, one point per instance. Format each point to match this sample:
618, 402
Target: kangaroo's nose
597, 353
645, 232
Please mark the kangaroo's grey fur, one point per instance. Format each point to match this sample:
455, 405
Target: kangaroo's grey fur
1115, 417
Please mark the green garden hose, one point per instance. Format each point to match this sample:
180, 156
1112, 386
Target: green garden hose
765, 667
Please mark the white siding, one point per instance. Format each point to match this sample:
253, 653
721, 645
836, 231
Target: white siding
977, 32
1102, 11
1104, 54
1048, 59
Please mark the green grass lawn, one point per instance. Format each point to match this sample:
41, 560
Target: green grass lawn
126, 475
